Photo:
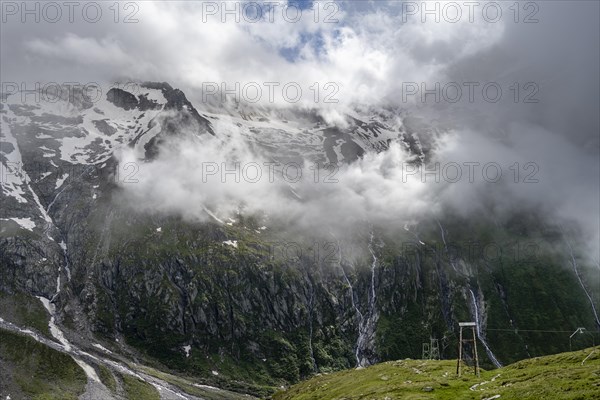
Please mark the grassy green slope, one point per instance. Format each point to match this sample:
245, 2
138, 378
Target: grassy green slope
137, 389
36, 371
24, 310
560, 376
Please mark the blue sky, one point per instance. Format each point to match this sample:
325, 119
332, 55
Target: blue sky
315, 41
302, 4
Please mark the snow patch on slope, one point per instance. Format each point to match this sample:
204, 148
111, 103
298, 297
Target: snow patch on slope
25, 223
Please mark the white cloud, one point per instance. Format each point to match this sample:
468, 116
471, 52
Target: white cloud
368, 54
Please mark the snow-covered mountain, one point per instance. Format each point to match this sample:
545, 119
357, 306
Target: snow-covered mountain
43, 140
215, 300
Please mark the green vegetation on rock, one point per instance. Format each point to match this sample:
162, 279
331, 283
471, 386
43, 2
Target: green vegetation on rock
38, 371
107, 378
136, 389
188, 385
262, 315
25, 310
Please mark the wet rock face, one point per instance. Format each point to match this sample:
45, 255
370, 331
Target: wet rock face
29, 266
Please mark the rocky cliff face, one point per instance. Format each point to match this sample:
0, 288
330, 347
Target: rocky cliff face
229, 300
